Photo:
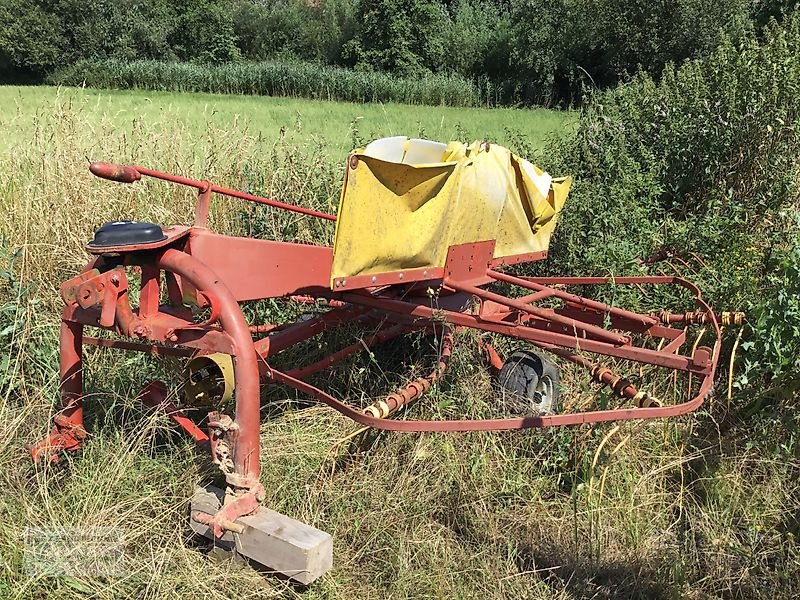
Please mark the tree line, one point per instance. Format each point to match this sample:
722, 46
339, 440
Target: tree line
529, 51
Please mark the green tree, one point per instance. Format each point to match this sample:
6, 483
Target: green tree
476, 39
204, 31
402, 37
32, 39
294, 28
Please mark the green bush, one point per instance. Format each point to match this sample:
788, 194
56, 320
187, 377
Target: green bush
292, 29
31, 39
705, 160
204, 32
476, 39
772, 352
695, 175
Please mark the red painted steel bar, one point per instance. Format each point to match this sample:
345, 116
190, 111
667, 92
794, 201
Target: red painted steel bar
154, 395
597, 332
128, 174
299, 332
382, 336
67, 432
620, 385
138, 347
573, 298
627, 352
647, 412
71, 369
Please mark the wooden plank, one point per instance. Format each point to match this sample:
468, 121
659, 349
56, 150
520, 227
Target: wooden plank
279, 543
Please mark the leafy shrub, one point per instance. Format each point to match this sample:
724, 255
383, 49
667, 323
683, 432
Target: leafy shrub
476, 39
292, 29
31, 38
704, 160
772, 352
204, 32
695, 175
398, 36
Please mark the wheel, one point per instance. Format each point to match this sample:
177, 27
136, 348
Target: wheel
529, 384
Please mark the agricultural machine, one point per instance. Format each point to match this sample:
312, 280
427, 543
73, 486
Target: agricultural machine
425, 235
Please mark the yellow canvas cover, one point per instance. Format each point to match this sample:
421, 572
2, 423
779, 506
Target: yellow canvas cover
407, 200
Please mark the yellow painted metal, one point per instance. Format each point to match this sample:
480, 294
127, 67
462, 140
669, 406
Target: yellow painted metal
405, 201
209, 381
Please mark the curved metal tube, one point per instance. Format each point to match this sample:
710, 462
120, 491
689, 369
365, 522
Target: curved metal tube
246, 459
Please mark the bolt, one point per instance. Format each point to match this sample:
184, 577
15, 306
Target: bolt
374, 279
115, 279
401, 275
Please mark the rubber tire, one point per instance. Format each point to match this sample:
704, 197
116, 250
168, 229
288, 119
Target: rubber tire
519, 384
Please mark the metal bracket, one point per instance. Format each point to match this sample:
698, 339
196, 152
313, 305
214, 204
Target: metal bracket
93, 288
468, 263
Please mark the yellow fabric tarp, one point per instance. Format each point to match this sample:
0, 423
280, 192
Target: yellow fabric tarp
408, 200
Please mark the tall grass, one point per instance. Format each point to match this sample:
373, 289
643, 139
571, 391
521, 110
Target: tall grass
275, 78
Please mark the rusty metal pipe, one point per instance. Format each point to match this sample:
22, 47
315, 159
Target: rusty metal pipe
600, 374
129, 174
246, 457
573, 298
153, 349
71, 371
312, 300
67, 432
596, 332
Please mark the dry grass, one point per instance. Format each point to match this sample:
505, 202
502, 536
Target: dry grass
658, 510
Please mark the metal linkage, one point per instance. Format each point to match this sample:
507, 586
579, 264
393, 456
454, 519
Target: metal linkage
415, 389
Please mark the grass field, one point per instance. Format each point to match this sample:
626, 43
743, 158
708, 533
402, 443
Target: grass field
338, 124
645, 510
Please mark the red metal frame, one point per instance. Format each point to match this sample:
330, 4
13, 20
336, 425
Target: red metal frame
217, 272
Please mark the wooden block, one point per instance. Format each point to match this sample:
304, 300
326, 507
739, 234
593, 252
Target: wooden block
280, 543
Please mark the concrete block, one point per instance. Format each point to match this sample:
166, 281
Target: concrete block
279, 543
